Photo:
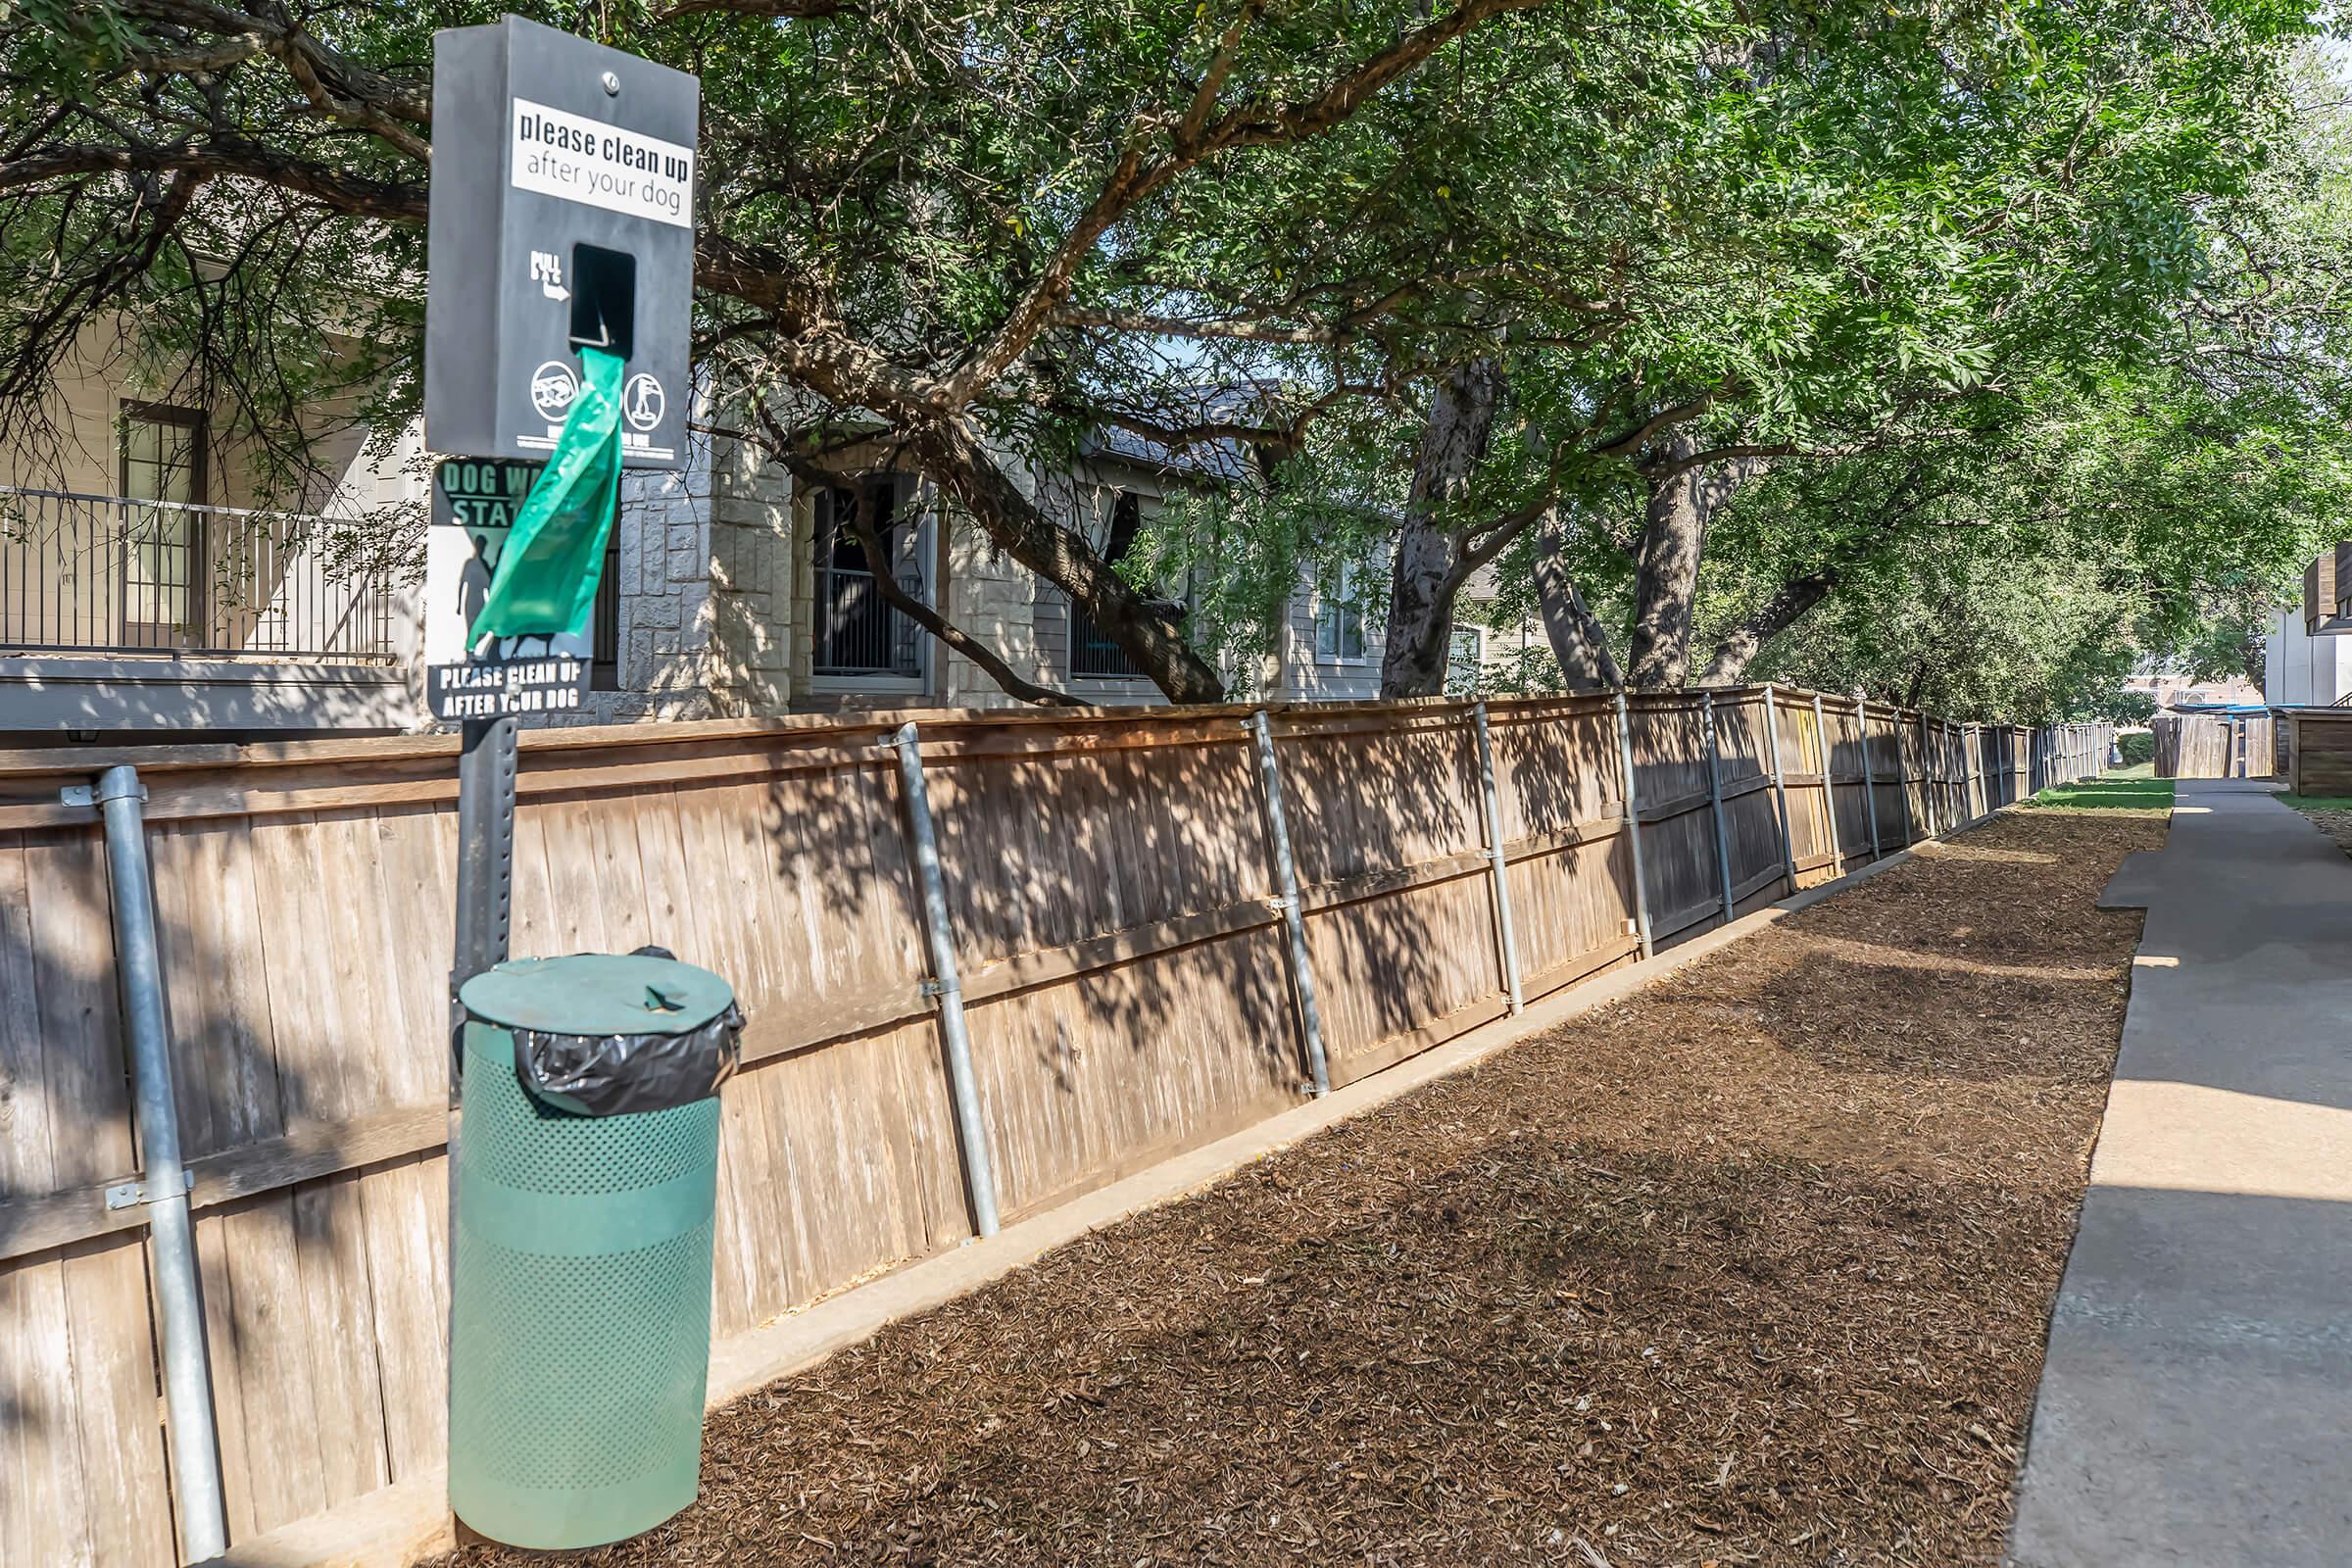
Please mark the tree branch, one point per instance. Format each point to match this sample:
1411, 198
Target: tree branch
789, 10
1132, 178
1243, 329
1580, 643
351, 195
1639, 436
877, 557
1788, 605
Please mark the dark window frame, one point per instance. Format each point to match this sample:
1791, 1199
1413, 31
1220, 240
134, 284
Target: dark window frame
1093, 655
855, 633
1338, 612
189, 630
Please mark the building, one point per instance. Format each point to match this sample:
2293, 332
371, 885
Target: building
2171, 689
142, 589
2307, 660
143, 586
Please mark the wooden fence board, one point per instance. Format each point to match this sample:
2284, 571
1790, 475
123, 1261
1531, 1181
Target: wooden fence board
41, 1481
116, 1438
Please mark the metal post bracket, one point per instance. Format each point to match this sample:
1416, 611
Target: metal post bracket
107, 788
131, 1194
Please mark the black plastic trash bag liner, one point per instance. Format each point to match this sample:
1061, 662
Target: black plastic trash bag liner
616, 1075
612, 1075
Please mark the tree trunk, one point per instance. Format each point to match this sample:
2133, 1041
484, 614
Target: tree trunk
1682, 498
1578, 641
1784, 610
951, 456
1429, 547
2253, 657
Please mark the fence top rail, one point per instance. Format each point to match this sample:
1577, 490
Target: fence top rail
948, 733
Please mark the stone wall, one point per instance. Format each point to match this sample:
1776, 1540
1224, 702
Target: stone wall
667, 609
995, 598
757, 593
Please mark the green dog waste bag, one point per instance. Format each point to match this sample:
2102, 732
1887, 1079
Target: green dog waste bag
546, 579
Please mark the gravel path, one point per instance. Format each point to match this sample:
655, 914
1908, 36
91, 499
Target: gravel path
1752, 1268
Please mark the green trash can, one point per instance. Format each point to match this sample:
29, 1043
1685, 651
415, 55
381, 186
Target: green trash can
580, 1324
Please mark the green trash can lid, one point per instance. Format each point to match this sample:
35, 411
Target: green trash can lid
598, 994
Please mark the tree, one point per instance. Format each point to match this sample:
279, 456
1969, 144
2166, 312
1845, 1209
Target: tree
904, 208
1454, 280
2020, 571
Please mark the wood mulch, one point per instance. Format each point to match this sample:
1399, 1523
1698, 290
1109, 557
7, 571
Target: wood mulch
1754, 1267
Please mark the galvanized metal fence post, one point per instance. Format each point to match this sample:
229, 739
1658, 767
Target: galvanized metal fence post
1931, 779
1902, 774
1780, 790
1939, 743
1632, 827
163, 1184
1723, 840
1829, 788
1503, 932
1870, 781
1293, 918
486, 767
963, 1086
1967, 772
1944, 770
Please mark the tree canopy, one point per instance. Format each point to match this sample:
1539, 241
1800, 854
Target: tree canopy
1692, 323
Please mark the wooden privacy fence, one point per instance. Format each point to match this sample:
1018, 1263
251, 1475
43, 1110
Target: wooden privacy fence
1114, 914
2214, 745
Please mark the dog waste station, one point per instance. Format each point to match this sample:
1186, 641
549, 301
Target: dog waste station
584, 1111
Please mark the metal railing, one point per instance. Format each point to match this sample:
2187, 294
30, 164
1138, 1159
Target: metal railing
859, 632
1093, 653
113, 574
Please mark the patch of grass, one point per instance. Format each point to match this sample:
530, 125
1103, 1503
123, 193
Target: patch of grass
2316, 802
2140, 769
2126, 790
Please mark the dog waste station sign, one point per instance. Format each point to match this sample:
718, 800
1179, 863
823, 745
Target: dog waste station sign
559, 244
478, 500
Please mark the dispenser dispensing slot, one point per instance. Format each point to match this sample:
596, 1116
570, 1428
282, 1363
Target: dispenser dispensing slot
603, 299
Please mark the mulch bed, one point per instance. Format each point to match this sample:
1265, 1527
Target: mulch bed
1752, 1268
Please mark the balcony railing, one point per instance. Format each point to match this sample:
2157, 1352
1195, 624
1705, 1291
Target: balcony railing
1093, 653
859, 632
110, 575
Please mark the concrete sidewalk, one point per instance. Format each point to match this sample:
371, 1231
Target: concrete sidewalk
2197, 1407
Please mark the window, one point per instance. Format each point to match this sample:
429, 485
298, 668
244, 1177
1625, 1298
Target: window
604, 635
162, 543
1092, 651
1339, 617
859, 632
1466, 660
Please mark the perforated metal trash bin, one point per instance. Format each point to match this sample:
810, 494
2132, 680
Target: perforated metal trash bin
580, 1326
